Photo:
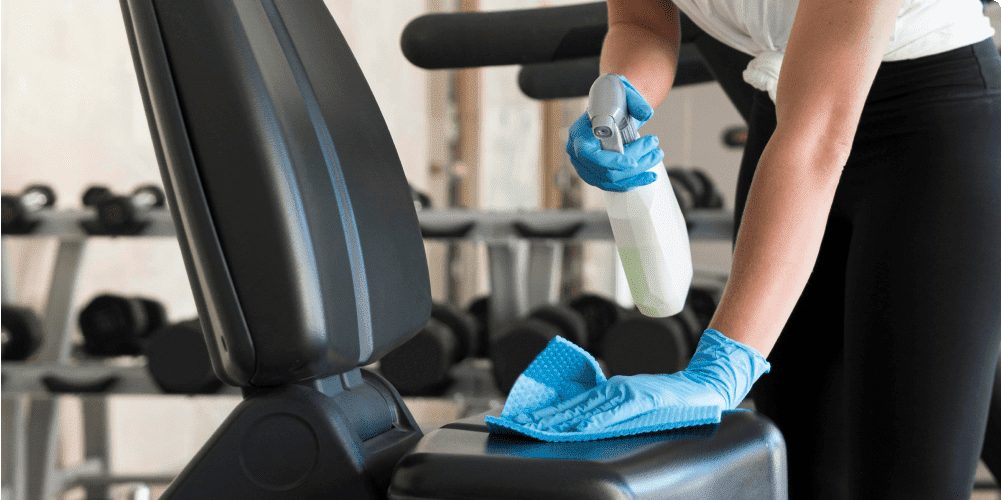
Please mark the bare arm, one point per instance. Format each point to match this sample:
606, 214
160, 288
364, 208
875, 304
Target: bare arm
642, 45
831, 60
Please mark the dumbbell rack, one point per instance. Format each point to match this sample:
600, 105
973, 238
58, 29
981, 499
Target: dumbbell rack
520, 244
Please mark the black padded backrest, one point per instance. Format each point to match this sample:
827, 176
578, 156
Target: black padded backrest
292, 210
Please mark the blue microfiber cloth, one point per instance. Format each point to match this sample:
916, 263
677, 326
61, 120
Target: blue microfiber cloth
562, 371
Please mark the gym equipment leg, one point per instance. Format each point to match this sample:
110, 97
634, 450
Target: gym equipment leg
58, 308
507, 275
545, 268
42, 448
9, 290
96, 444
15, 425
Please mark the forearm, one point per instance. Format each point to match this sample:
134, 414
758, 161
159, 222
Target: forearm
642, 45
779, 239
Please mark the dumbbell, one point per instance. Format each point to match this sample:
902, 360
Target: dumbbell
704, 299
519, 342
19, 209
641, 344
682, 191
113, 325
711, 197
178, 360
122, 214
421, 200
599, 313
22, 333
583, 321
420, 367
698, 185
480, 309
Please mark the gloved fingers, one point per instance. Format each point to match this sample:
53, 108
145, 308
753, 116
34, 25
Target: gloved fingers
549, 411
580, 409
608, 412
581, 128
563, 415
637, 181
635, 102
638, 157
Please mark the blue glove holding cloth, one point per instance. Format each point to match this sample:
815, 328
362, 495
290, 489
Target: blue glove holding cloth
563, 396
608, 170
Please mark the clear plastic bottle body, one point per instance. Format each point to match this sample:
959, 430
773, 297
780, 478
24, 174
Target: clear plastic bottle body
647, 223
652, 241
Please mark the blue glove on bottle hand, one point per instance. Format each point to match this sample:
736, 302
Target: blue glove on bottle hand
718, 378
608, 170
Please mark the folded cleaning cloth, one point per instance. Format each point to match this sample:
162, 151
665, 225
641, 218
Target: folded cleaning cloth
563, 371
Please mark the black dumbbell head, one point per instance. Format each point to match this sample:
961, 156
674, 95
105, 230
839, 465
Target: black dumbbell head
639, 344
599, 313
480, 309
116, 211
420, 366
693, 184
703, 301
685, 199
11, 210
94, 195
178, 360
156, 314
711, 196
571, 323
22, 332
421, 200
689, 321
113, 325
463, 325
149, 195
516, 347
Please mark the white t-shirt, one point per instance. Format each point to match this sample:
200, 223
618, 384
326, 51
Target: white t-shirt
761, 28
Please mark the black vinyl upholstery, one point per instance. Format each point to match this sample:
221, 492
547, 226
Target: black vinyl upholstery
292, 208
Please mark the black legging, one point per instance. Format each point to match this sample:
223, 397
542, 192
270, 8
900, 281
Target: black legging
882, 377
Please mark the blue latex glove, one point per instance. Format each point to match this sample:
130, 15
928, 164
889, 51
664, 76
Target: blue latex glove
608, 170
718, 378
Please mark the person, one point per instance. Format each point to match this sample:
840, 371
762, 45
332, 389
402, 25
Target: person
867, 246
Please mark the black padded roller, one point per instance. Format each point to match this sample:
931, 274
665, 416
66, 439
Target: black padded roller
640, 344
474, 39
573, 77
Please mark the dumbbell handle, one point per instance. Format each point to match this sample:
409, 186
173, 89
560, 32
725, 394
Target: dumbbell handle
144, 200
34, 200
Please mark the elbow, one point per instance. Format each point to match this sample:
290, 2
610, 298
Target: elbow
825, 148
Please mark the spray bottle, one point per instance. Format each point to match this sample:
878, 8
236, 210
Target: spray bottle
649, 229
